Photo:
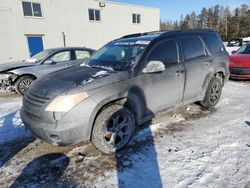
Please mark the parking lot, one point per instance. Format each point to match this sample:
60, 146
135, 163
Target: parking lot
187, 147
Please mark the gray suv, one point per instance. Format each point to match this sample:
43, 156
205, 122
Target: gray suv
123, 85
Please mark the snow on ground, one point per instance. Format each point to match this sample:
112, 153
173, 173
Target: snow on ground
188, 147
11, 126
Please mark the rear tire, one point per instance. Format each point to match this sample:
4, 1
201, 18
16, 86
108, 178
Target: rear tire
213, 93
23, 83
113, 129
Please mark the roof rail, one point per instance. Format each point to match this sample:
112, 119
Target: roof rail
165, 32
142, 34
132, 35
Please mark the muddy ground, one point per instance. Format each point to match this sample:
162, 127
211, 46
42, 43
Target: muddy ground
29, 162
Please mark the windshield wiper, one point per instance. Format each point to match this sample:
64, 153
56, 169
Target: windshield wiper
103, 67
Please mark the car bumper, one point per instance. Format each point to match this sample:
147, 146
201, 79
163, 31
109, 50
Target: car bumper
72, 128
240, 73
7, 83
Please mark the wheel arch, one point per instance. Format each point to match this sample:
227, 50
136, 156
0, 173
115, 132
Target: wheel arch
22, 75
132, 101
217, 73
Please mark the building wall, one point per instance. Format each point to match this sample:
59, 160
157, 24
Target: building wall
70, 17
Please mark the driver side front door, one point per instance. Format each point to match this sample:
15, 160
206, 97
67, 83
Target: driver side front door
164, 89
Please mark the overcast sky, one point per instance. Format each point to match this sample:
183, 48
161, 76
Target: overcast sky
172, 9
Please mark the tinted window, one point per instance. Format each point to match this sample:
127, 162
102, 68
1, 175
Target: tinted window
32, 9
91, 14
244, 50
192, 47
97, 15
213, 44
61, 56
37, 9
94, 15
136, 18
27, 10
165, 52
81, 54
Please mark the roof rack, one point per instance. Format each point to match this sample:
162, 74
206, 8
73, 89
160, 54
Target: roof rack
165, 32
142, 34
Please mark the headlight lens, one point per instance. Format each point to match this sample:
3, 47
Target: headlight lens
65, 103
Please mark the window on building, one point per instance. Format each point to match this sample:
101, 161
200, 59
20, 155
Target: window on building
32, 9
136, 18
94, 15
192, 47
165, 52
81, 54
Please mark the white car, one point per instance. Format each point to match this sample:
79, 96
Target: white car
235, 43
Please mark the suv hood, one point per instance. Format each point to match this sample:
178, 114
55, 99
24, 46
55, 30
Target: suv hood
14, 65
75, 78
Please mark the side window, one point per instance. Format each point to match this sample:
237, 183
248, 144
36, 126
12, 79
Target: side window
94, 15
136, 18
32, 9
165, 52
213, 44
61, 56
81, 54
192, 47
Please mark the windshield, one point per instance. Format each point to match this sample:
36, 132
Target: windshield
40, 56
244, 50
118, 56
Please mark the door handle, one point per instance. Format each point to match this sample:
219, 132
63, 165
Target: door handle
208, 62
180, 71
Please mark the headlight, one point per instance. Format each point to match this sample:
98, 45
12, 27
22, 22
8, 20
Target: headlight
65, 103
5, 76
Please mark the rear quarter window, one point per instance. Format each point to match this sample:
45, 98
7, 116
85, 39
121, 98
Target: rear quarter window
213, 44
192, 47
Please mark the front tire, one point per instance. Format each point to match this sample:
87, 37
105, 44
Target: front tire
23, 83
213, 93
113, 129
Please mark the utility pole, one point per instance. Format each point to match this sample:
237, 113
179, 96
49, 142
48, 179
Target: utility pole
64, 39
226, 27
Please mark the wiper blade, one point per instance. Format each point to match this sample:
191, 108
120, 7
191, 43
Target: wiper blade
103, 67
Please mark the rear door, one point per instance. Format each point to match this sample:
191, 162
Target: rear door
197, 64
80, 55
164, 89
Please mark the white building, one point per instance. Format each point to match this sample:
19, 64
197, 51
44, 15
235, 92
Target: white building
28, 26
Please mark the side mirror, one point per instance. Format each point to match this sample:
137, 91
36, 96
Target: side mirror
50, 62
234, 51
154, 67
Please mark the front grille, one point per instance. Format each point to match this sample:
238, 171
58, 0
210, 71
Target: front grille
34, 104
241, 71
35, 99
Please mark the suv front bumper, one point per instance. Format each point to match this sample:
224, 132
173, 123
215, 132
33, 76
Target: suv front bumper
73, 127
